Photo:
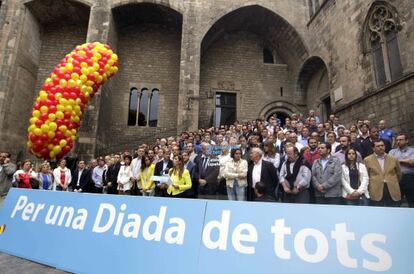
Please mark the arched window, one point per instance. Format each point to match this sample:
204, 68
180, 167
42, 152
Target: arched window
153, 112
133, 107
268, 56
383, 25
143, 108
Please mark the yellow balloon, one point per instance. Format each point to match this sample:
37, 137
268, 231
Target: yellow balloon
83, 78
44, 109
44, 128
72, 83
63, 102
74, 76
84, 65
68, 108
43, 95
37, 131
96, 66
63, 128
33, 120
62, 69
57, 149
63, 83
31, 128
50, 146
52, 126
69, 66
36, 113
85, 71
58, 95
29, 144
67, 133
60, 107
63, 143
51, 116
51, 134
114, 57
59, 114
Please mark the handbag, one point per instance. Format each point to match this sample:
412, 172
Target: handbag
34, 183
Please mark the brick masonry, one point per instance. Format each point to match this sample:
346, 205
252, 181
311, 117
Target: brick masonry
192, 48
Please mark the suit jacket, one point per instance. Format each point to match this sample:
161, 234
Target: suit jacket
6, 177
85, 182
111, 175
268, 176
329, 177
391, 175
210, 175
193, 191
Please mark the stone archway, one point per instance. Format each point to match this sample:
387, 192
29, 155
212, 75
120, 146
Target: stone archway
233, 60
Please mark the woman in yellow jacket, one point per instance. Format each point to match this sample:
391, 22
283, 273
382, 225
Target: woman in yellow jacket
180, 177
145, 174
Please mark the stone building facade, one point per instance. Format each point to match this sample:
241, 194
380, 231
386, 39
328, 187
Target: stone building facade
188, 58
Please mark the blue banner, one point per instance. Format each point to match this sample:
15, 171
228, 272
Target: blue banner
87, 233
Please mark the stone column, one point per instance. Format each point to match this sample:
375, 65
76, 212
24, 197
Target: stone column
100, 23
188, 97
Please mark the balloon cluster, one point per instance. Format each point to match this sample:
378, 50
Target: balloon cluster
58, 109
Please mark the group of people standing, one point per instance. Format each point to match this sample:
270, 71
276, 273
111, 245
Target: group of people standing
300, 161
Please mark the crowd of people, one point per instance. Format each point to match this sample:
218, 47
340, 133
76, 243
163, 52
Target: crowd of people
298, 160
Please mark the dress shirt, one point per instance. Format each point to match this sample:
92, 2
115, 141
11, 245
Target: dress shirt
381, 160
324, 161
79, 176
257, 172
404, 154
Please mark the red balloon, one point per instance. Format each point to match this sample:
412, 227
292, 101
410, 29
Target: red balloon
39, 123
66, 122
52, 109
67, 115
36, 106
43, 117
44, 138
66, 149
45, 153
33, 137
59, 122
59, 135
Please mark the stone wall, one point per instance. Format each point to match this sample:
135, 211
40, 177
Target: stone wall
217, 46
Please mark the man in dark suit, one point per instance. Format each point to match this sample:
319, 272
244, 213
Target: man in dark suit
82, 179
191, 167
260, 171
111, 176
162, 168
207, 168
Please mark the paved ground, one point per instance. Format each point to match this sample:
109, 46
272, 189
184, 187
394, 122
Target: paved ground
14, 265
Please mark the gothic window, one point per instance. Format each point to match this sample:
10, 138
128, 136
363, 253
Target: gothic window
268, 56
153, 112
143, 107
383, 27
133, 107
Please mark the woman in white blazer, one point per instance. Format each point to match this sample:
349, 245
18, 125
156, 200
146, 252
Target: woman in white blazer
235, 173
354, 180
61, 176
125, 176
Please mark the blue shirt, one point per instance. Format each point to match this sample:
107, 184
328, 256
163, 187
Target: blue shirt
387, 134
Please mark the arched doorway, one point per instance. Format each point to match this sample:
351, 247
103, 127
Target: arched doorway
280, 116
313, 83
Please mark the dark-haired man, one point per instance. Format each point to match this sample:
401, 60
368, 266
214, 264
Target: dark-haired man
384, 175
326, 177
405, 156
